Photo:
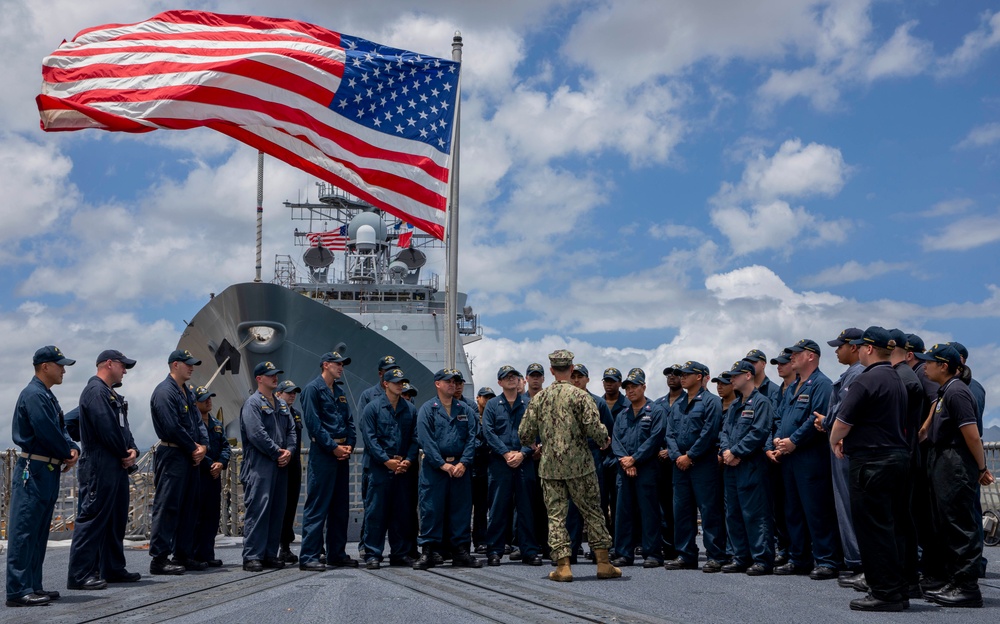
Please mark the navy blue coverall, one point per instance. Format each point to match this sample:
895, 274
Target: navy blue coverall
38, 429
609, 466
810, 513
328, 419
389, 433
179, 427
294, 483
446, 438
693, 427
746, 432
265, 431
104, 496
638, 435
210, 501
508, 485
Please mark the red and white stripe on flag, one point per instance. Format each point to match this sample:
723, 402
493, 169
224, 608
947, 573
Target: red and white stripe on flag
334, 241
374, 121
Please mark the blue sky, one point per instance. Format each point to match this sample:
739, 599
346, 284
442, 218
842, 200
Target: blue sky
646, 182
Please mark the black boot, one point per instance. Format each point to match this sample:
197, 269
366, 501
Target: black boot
286, 555
462, 559
426, 560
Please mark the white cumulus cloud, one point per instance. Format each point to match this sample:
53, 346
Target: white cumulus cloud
754, 213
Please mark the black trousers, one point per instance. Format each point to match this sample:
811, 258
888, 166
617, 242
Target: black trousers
100, 522
880, 507
953, 477
665, 496
291, 500
207, 520
480, 494
175, 504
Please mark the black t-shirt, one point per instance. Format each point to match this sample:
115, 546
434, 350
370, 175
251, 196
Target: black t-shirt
875, 407
916, 403
956, 407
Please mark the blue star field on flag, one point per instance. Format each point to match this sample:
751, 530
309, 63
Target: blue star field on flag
398, 92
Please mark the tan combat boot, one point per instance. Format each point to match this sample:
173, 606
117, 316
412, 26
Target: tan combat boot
604, 568
562, 573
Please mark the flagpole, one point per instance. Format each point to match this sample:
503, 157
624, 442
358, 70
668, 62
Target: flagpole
260, 209
451, 290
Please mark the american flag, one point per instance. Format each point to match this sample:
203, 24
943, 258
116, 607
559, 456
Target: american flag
334, 240
375, 121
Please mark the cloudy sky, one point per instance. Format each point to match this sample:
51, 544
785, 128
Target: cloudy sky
646, 182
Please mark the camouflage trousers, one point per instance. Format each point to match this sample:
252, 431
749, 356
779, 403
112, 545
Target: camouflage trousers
584, 492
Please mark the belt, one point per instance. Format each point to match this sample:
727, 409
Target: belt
449, 459
41, 458
170, 444
339, 440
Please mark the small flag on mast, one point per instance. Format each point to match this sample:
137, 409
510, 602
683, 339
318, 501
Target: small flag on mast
334, 240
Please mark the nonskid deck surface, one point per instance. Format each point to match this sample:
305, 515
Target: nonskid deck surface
511, 593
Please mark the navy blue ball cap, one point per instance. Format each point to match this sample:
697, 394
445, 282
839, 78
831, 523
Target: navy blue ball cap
51, 354
692, 367
506, 370
755, 355
446, 374
635, 377
723, 378
394, 375
183, 355
336, 358
673, 369
116, 356
201, 393
914, 343
388, 362
805, 345
877, 337
961, 349
846, 336
942, 353
267, 369
410, 389
783, 358
486, 391
742, 367
899, 337
580, 368
536, 368
288, 386
612, 373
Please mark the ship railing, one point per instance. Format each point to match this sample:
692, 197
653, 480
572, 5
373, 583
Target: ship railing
142, 490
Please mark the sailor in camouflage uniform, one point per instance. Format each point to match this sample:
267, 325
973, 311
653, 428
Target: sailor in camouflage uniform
563, 417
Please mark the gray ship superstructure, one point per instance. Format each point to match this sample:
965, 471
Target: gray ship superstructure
363, 295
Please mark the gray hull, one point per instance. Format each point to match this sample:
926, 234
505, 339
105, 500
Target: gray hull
302, 331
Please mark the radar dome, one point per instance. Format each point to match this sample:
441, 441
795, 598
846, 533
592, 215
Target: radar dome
371, 219
365, 240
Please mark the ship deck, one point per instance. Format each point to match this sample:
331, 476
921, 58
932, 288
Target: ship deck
510, 593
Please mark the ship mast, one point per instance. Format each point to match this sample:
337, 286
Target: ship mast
451, 289
260, 209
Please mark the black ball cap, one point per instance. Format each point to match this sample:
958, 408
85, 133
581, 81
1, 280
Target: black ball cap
115, 356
